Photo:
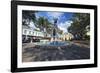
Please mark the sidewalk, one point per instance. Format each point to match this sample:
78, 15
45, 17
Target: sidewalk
82, 43
28, 45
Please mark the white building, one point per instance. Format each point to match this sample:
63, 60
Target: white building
67, 36
30, 34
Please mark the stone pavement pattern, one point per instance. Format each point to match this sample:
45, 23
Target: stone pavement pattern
54, 53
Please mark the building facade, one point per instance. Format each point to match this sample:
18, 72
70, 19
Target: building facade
67, 36
33, 35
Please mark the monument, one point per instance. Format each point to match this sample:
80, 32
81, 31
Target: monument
55, 30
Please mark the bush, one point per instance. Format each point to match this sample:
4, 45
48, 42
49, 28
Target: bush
87, 37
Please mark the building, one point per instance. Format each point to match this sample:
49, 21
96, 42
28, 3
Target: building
67, 36
33, 35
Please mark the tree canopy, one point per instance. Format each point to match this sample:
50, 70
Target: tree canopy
79, 26
28, 16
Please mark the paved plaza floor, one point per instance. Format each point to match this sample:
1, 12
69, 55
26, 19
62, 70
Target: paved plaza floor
74, 51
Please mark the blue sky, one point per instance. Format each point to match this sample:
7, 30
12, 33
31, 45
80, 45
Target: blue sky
63, 18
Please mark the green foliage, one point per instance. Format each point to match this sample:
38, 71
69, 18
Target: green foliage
87, 37
43, 23
28, 16
80, 22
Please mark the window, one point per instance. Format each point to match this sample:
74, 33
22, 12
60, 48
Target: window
33, 33
25, 31
29, 32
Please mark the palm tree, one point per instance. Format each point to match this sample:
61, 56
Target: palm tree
44, 25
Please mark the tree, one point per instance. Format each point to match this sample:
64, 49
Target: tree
80, 22
27, 17
44, 25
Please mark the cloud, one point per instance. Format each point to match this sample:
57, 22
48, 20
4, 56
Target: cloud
37, 15
64, 26
54, 14
32, 25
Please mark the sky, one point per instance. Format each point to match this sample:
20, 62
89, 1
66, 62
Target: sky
63, 18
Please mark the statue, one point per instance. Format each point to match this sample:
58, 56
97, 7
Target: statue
54, 30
